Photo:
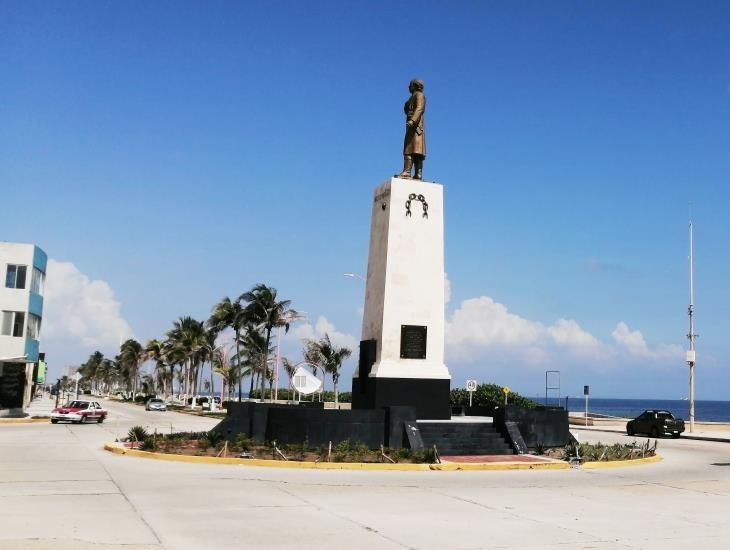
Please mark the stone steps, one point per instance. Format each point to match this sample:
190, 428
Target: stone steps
463, 438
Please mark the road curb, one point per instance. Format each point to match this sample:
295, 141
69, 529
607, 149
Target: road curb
620, 463
683, 436
366, 466
9, 421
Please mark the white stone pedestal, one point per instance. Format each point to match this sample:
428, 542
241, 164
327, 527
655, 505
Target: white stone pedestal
405, 288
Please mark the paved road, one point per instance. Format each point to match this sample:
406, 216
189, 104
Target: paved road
59, 490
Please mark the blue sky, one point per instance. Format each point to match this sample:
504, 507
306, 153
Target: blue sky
178, 152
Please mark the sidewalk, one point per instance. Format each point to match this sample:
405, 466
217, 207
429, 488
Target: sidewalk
41, 406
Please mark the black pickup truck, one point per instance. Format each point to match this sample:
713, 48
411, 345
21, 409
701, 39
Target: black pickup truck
655, 423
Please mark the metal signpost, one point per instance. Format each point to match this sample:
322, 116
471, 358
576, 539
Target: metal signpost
471, 387
77, 377
506, 391
586, 392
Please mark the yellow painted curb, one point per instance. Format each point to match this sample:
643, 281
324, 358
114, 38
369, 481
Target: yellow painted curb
621, 463
370, 466
23, 420
485, 466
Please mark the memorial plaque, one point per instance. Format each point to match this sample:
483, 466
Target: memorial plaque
412, 342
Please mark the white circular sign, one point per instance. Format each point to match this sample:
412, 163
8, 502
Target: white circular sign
471, 385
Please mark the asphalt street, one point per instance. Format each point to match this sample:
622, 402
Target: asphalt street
60, 490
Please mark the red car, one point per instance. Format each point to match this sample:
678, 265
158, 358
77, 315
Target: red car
79, 412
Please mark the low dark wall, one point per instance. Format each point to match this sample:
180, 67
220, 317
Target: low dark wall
548, 427
320, 426
296, 424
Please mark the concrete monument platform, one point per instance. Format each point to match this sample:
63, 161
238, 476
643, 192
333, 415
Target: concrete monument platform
402, 349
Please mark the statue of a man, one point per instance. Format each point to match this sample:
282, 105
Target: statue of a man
414, 144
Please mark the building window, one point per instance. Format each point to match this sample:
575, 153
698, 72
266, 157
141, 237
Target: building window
34, 326
37, 281
12, 323
15, 276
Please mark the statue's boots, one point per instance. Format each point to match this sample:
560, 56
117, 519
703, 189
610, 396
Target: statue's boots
419, 169
407, 166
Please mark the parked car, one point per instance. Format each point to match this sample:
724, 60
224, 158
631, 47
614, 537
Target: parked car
155, 404
80, 412
655, 423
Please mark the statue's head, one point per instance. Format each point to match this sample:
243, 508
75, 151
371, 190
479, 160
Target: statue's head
416, 85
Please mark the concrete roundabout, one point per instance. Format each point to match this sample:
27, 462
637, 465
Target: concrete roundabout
48, 471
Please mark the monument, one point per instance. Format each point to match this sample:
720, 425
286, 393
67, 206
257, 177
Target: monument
400, 389
402, 348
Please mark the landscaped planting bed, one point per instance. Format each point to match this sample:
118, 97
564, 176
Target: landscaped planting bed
214, 444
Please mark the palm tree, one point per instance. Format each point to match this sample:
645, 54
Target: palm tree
224, 365
107, 373
187, 340
312, 356
228, 313
131, 355
329, 357
155, 350
254, 354
90, 369
266, 312
290, 368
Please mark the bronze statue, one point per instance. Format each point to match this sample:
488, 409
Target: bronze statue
414, 144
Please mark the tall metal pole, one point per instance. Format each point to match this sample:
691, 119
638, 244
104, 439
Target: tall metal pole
691, 336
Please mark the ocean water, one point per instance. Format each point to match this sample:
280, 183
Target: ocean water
708, 411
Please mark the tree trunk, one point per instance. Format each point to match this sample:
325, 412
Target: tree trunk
334, 383
266, 362
238, 365
172, 378
211, 396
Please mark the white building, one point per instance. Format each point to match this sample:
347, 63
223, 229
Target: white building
23, 271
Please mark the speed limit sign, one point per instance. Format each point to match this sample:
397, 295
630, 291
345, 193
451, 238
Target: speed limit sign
471, 387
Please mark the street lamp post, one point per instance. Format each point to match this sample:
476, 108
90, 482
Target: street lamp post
691, 336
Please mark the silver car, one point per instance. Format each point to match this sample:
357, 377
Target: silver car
155, 404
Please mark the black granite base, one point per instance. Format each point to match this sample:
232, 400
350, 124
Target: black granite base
429, 397
540, 426
299, 423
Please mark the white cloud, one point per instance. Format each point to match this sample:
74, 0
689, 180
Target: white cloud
484, 329
634, 343
482, 325
320, 328
80, 315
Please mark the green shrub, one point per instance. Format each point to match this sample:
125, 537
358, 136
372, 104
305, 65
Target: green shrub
203, 444
342, 447
137, 433
213, 438
423, 456
243, 442
590, 452
148, 444
489, 395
